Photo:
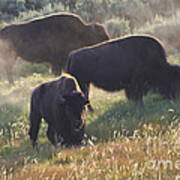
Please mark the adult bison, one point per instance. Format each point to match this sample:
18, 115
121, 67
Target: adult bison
136, 64
61, 105
48, 39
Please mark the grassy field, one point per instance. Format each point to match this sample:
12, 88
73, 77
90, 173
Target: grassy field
122, 140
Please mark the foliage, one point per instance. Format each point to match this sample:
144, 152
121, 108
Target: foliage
136, 11
120, 17
167, 30
14, 105
24, 69
117, 27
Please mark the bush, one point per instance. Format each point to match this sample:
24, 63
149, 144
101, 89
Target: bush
25, 69
168, 34
136, 11
167, 30
117, 27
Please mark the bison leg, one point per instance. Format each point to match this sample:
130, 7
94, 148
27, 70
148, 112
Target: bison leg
58, 65
133, 95
9, 72
139, 86
134, 91
85, 89
51, 135
9, 58
35, 121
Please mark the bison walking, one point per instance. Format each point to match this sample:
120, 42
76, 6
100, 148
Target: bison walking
48, 39
61, 105
136, 64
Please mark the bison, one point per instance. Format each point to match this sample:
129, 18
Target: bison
61, 106
48, 39
134, 63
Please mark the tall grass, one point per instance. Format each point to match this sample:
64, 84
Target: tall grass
145, 155
14, 106
121, 142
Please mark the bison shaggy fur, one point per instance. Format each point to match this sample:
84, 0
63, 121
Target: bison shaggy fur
135, 63
62, 106
47, 39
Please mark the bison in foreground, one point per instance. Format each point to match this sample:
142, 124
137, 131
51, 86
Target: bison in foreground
136, 64
48, 39
61, 105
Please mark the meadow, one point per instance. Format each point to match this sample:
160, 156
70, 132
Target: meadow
122, 141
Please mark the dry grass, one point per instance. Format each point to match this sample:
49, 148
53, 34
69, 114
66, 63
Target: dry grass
122, 142
125, 157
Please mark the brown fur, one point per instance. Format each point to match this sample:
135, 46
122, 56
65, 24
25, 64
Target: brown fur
48, 39
137, 64
64, 118
65, 85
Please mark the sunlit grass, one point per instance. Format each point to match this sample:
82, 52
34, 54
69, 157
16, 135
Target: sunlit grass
122, 141
124, 157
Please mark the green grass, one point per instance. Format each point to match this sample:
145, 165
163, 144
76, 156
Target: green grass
116, 145
122, 141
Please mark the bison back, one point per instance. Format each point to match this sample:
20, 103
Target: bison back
112, 65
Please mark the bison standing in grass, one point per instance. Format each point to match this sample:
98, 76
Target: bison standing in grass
62, 106
48, 39
136, 64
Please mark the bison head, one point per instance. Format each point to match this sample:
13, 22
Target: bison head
97, 34
74, 106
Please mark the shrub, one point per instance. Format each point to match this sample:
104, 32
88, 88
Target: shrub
117, 27
25, 69
167, 30
136, 12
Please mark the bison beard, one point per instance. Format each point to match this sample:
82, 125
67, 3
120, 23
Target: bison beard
48, 39
63, 117
136, 64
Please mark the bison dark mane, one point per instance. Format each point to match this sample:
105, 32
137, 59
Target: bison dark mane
62, 106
